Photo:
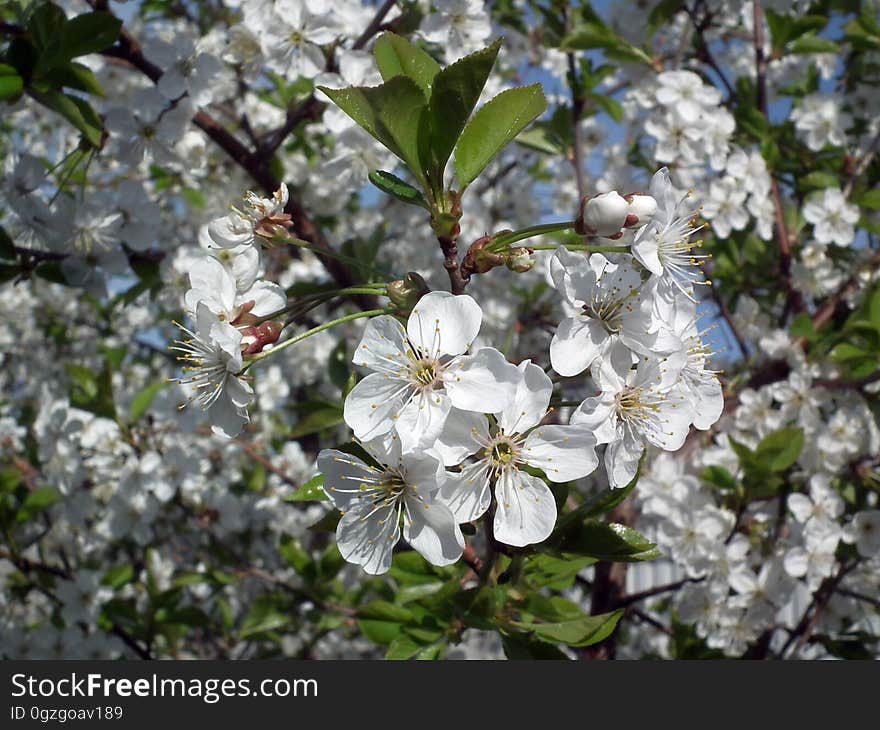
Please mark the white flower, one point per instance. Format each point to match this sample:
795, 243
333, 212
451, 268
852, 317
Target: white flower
697, 381
726, 207
686, 93
832, 217
819, 121
526, 509
614, 306
635, 406
865, 532
459, 26
264, 217
421, 372
664, 246
213, 359
293, 33
215, 286
375, 500
146, 124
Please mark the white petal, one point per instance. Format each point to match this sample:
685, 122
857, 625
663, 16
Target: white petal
456, 440
468, 494
268, 298
373, 404
563, 452
383, 346
599, 416
530, 401
431, 529
622, 461
421, 420
368, 541
343, 476
444, 323
231, 231
526, 510
578, 341
484, 382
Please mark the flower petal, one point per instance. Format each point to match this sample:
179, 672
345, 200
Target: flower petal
526, 510
442, 323
577, 342
530, 402
484, 382
372, 405
563, 452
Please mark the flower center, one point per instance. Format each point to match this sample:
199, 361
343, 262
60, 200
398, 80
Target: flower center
635, 405
425, 373
502, 452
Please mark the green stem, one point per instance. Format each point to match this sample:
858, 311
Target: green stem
313, 331
584, 247
504, 240
310, 301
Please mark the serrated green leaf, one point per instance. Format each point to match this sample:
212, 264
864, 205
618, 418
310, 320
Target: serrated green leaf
454, 95
609, 541
397, 188
818, 180
393, 113
311, 491
396, 56
76, 111
263, 616
584, 631
493, 127
380, 632
403, 647
523, 646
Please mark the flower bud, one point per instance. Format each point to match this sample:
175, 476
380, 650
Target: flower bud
604, 214
642, 209
255, 338
406, 292
519, 260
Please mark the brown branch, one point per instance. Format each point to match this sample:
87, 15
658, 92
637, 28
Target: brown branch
374, 25
625, 601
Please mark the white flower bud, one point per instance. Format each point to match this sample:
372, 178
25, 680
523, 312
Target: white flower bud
642, 209
605, 214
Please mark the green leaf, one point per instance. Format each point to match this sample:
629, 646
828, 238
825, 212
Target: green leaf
523, 646
75, 76
76, 111
403, 647
584, 631
393, 113
589, 35
10, 87
870, 200
264, 616
90, 33
493, 127
609, 541
380, 632
540, 138
811, 43
557, 573
311, 491
396, 56
384, 611
779, 451
454, 95
316, 421
36, 502
118, 576
818, 180
142, 401
397, 188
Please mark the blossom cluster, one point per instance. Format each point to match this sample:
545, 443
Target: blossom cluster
449, 424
